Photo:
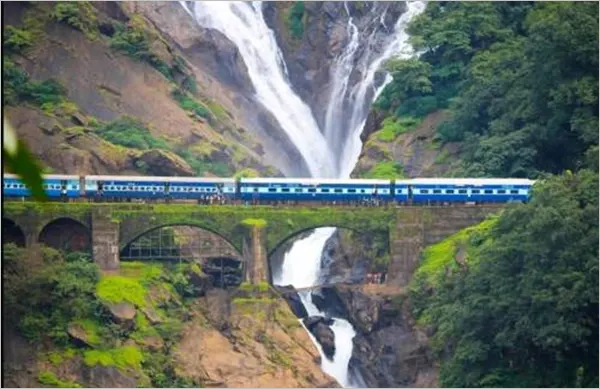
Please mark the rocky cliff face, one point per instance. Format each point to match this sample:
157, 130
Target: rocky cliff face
310, 50
389, 351
108, 72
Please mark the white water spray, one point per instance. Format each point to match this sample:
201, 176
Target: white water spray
244, 25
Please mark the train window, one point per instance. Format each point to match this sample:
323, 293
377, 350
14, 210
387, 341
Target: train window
338, 190
424, 191
488, 191
351, 190
449, 191
324, 190
462, 191
437, 191
272, 189
514, 191
298, 190
312, 190
475, 191
362, 191
285, 189
256, 189
501, 191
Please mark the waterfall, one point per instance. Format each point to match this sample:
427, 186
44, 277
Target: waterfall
359, 98
244, 25
331, 153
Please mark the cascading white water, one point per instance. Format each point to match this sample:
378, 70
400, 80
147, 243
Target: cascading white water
301, 270
244, 25
358, 100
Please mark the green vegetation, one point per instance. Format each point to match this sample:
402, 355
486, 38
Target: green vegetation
20, 161
202, 166
261, 287
121, 357
56, 358
18, 88
191, 105
438, 257
92, 331
117, 289
247, 173
255, 222
129, 132
388, 169
522, 310
79, 15
295, 20
46, 291
520, 81
50, 379
133, 39
393, 127
15, 40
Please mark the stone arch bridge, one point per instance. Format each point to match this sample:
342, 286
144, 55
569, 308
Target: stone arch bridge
254, 232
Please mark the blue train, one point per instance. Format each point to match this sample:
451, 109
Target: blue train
261, 190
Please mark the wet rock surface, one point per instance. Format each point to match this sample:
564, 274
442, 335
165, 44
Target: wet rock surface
389, 351
320, 327
293, 299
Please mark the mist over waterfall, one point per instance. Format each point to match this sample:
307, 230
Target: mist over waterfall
331, 151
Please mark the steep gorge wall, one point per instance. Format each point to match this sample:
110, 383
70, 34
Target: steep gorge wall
102, 84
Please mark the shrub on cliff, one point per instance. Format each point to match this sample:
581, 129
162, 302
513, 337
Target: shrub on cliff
79, 15
295, 20
44, 291
129, 132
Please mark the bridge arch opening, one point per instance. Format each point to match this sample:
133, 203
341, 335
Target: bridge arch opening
217, 256
12, 233
66, 234
346, 256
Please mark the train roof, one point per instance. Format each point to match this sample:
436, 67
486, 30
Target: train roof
313, 181
160, 179
467, 181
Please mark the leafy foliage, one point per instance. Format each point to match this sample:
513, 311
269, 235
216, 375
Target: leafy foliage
50, 379
520, 81
46, 291
190, 104
129, 132
134, 40
17, 87
20, 161
79, 15
524, 309
15, 39
393, 127
294, 20
388, 169
121, 357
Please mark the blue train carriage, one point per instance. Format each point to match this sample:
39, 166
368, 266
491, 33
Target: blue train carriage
479, 190
123, 187
55, 186
312, 189
196, 188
